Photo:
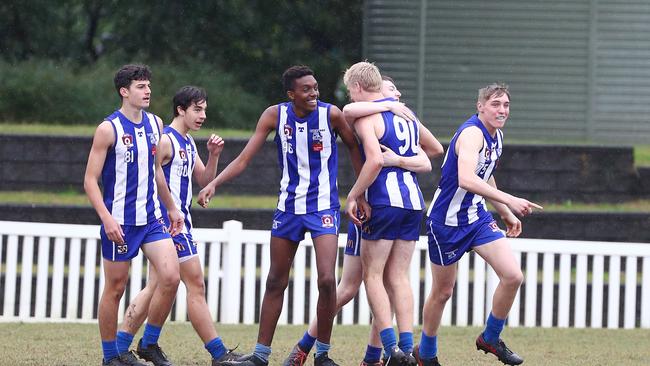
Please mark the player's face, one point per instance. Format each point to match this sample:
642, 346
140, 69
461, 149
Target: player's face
194, 115
138, 93
389, 90
354, 91
305, 93
495, 111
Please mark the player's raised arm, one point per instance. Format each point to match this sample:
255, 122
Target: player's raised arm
205, 173
265, 125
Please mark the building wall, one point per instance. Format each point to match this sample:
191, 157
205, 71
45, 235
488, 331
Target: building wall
579, 70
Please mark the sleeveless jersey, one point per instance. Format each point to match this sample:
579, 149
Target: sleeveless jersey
130, 192
307, 158
394, 186
452, 205
178, 174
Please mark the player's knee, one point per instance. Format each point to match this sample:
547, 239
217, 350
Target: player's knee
443, 293
195, 285
276, 283
326, 283
513, 279
169, 280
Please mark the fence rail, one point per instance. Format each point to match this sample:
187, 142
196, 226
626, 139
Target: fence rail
51, 272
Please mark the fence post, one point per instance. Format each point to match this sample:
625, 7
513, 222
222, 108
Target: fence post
231, 272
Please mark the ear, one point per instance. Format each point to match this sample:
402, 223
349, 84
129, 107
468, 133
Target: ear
291, 94
124, 92
479, 106
180, 111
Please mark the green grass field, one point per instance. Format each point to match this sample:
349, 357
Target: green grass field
78, 344
270, 202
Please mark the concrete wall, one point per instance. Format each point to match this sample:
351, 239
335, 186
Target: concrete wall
547, 173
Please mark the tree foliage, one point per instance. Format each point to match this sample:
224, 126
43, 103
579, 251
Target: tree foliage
253, 40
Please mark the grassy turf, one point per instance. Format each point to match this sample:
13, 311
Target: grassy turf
79, 344
234, 201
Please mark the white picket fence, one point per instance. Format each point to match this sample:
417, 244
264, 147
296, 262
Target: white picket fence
51, 272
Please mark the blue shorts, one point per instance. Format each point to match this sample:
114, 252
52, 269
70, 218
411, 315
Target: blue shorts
293, 227
185, 246
447, 244
353, 245
134, 238
392, 223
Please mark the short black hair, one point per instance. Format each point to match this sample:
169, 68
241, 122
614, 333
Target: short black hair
127, 73
294, 72
187, 95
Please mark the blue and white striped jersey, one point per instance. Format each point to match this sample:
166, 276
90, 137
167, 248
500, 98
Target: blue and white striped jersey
307, 156
178, 174
395, 186
452, 205
130, 192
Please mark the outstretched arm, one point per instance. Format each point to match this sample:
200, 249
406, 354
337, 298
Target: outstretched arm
265, 125
356, 110
469, 144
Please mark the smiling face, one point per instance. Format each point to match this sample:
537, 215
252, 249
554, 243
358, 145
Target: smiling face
304, 95
494, 111
194, 116
389, 90
138, 94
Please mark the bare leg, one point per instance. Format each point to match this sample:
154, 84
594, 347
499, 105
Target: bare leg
396, 276
347, 288
326, 248
197, 307
442, 288
282, 254
162, 255
115, 274
374, 255
499, 255
136, 313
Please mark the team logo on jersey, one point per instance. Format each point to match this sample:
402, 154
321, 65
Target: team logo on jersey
122, 249
288, 132
316, 134
182, 154
127, 140
317, 146
153, 138
327, 221
301, 129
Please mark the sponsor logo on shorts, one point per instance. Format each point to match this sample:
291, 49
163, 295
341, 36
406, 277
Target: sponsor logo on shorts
495, 228
350, 244
276, 224
451, 254
327, 220
180, 247
122, 248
